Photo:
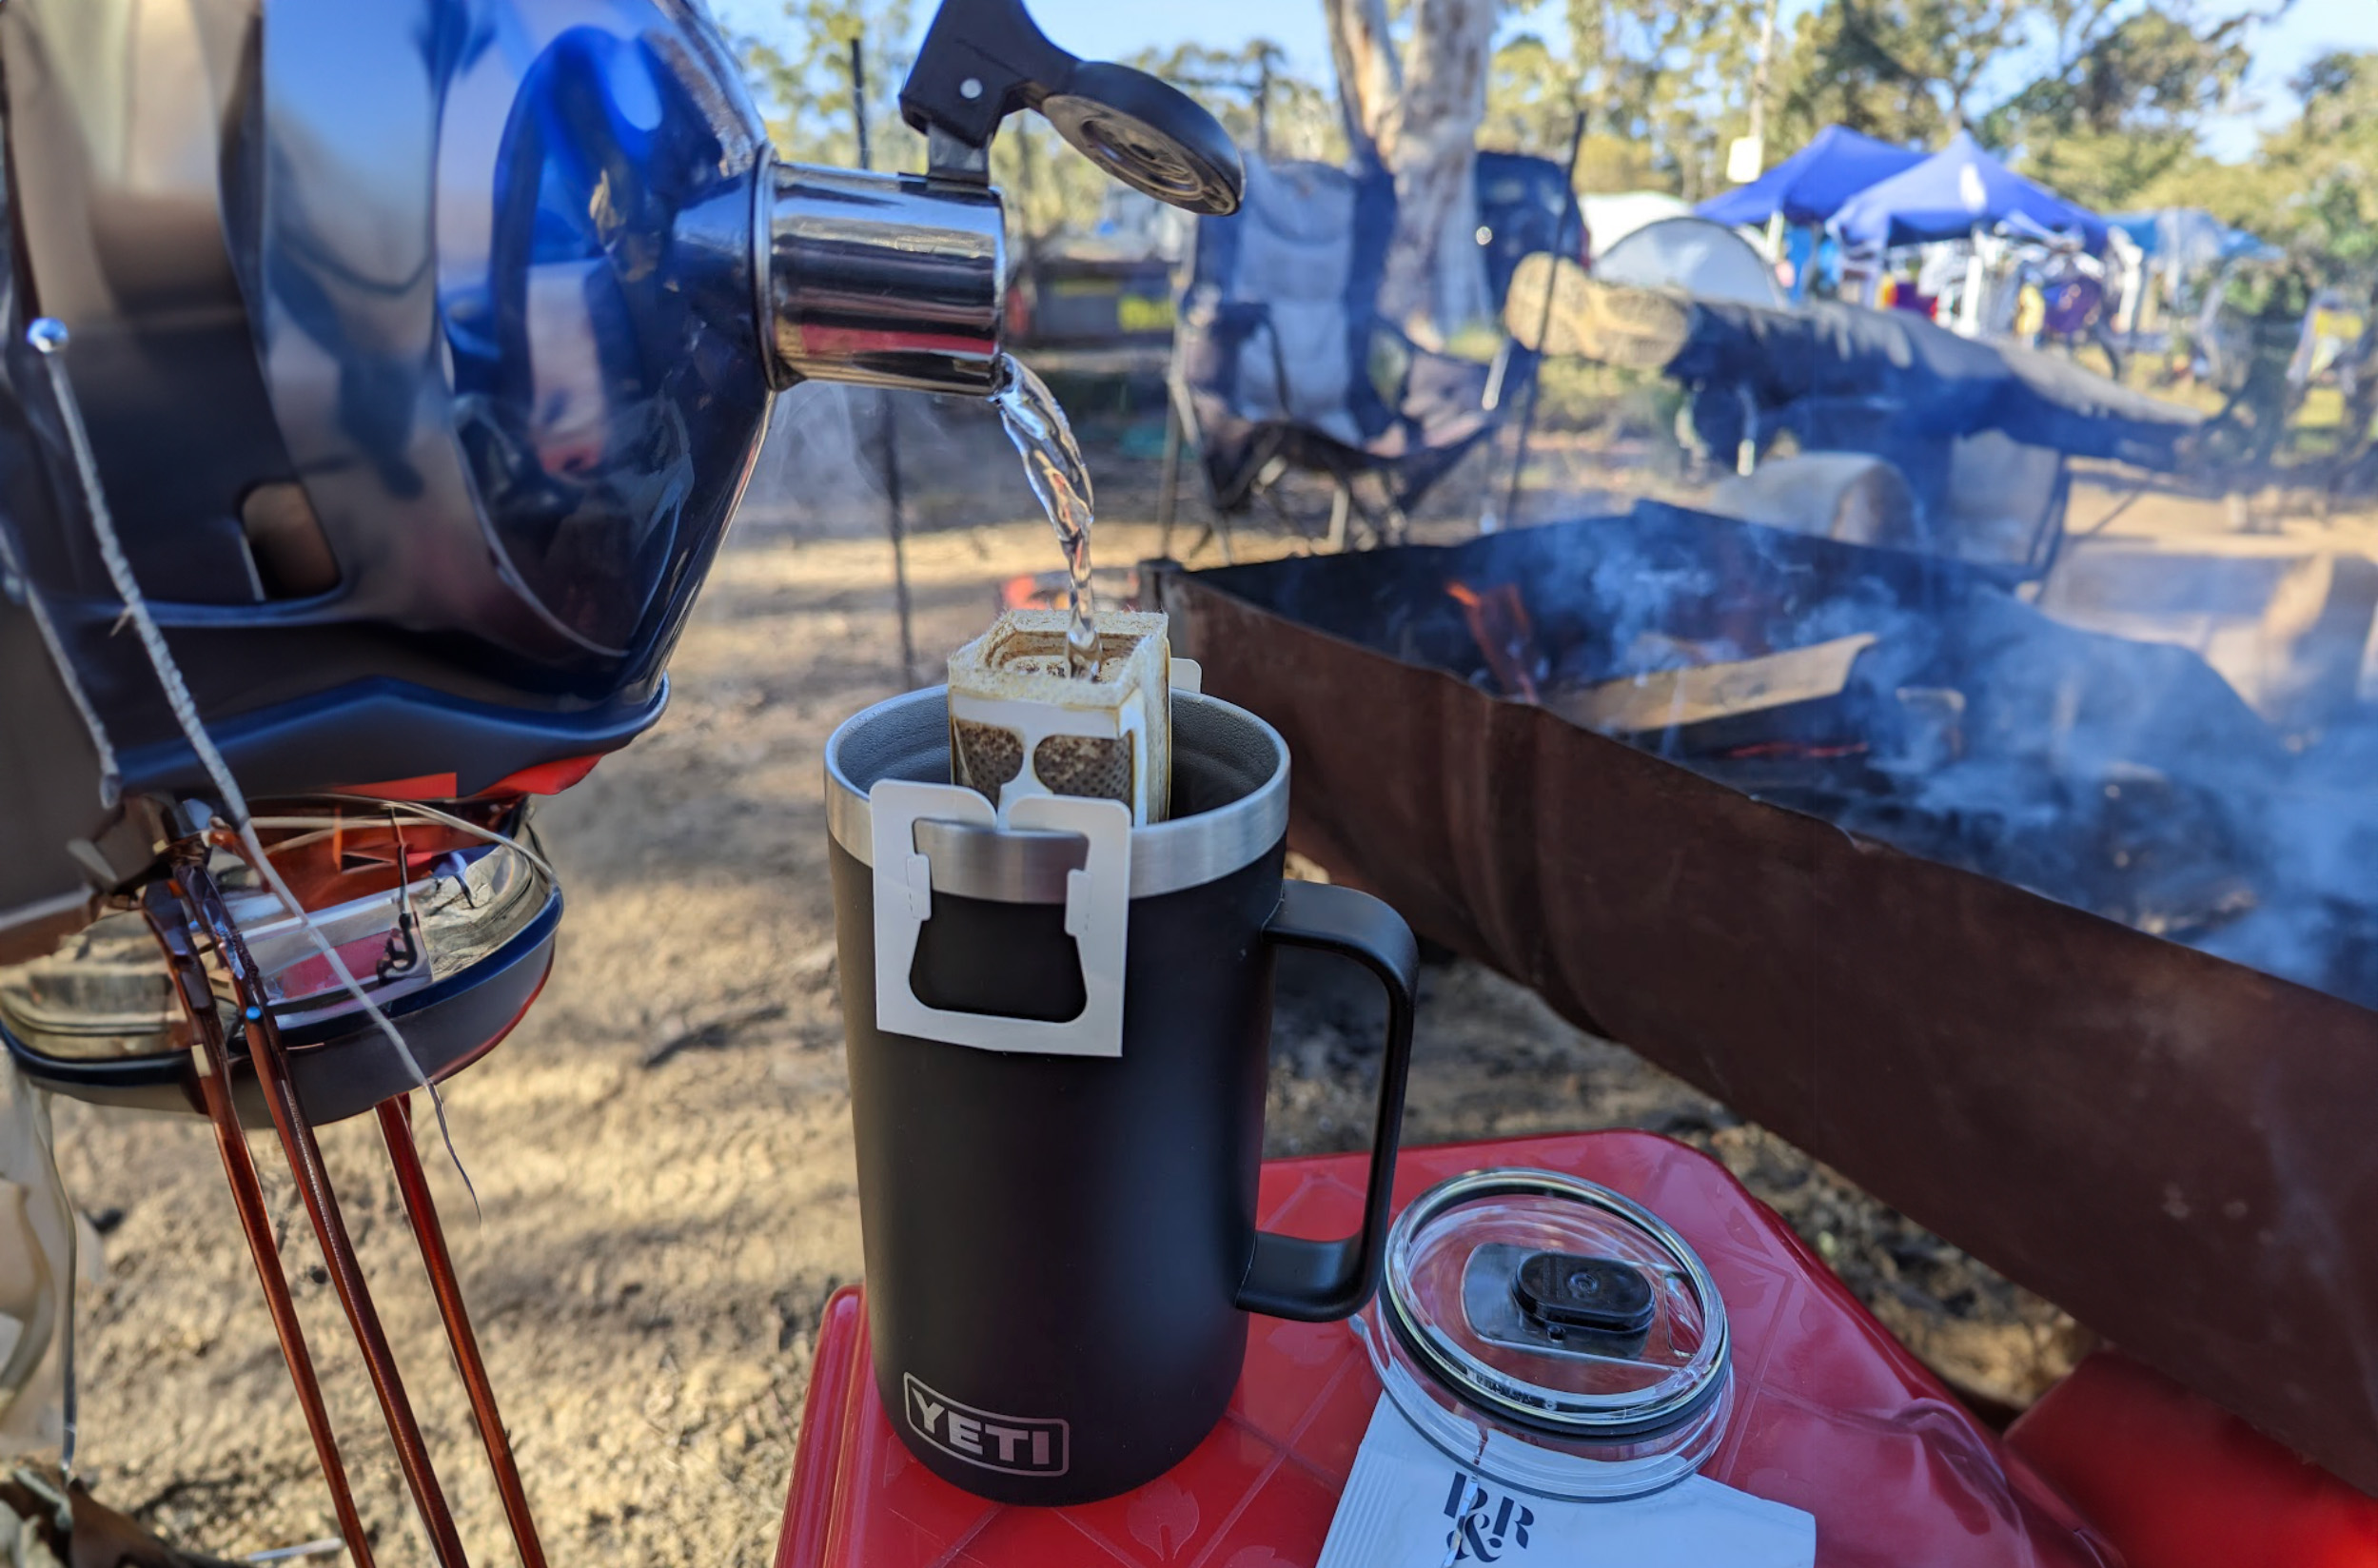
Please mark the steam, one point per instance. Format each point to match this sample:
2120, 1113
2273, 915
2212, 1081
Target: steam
821, 471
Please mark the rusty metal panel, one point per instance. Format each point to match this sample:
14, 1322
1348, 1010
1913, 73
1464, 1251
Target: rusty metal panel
2175, 1148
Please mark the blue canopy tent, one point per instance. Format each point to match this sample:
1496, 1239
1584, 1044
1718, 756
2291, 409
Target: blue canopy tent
2182, 241
1952, 193
1810, 187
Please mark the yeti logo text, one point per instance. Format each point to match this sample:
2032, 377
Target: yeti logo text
1485, 1527
1016, 1444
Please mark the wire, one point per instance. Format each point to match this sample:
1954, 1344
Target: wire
326, 826
69, 1400
311, 1549
420, 808
48, 337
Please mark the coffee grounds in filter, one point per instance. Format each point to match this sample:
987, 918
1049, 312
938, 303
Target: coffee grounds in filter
987, 757
1086, 765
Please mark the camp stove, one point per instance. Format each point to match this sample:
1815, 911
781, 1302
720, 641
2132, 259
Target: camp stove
376, 382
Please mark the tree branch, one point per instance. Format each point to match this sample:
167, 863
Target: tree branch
2214, 37
1854, 22
2089, 40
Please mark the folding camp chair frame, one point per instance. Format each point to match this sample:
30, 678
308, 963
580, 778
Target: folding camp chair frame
2047, 537
1280, 446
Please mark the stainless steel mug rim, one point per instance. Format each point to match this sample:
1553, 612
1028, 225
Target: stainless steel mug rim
1029, 867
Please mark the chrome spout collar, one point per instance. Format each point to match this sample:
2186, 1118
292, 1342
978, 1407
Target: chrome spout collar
884, 280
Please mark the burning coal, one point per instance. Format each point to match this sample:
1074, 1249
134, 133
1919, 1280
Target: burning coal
1497, 624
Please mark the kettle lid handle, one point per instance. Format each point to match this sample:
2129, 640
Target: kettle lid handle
984, 60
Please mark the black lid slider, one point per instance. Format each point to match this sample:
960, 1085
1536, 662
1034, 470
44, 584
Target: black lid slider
1562, 1292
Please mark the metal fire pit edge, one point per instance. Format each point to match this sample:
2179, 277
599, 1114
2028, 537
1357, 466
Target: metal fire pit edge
2178, 1150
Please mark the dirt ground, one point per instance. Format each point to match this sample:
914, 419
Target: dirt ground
662, 1153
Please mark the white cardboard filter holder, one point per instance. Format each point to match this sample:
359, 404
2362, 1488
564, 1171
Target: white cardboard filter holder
1097, 903
1097, 914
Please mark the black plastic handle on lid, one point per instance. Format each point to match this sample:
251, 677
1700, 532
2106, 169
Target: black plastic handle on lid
1599, 1294
1318, 1282
983, 60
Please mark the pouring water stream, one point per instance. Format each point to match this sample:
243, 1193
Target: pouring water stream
1052, 461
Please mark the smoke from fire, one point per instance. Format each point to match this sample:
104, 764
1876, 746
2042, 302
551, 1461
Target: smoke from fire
2122, 776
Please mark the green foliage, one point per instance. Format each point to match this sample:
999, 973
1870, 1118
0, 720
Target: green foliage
1618, 163
2124, 107
1048, 189
1662, 84
799, 72
2332, 154
1532, 99
1905, 71
2109, 96
2312, 185
1298, 118
2152, 70
1691, 96
2114, 95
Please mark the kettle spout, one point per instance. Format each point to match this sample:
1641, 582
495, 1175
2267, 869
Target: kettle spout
882, 279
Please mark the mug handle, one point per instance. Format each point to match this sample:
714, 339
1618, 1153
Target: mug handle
1318, 1282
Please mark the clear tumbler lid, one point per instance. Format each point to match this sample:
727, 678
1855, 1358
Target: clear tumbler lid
1552, 1335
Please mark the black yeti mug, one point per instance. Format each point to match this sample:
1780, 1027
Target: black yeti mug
1059, 1035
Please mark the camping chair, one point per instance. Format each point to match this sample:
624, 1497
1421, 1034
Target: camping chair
1281, 362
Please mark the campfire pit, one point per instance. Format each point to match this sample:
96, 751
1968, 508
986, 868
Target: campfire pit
1800, 896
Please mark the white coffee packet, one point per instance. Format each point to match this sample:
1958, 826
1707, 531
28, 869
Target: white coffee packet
1020, 725
1409, 1506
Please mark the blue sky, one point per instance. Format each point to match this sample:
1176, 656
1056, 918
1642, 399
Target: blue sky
1105, 28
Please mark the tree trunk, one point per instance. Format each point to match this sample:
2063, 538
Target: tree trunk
1369, 77
1419, 118
2354, 440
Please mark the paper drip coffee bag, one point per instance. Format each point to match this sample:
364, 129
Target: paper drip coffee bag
1020, 725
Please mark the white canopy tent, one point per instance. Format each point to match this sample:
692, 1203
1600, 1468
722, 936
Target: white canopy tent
1612, 218
1693, 256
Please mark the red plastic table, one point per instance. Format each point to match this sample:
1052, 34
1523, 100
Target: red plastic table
2178, 1482
1832, 1415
